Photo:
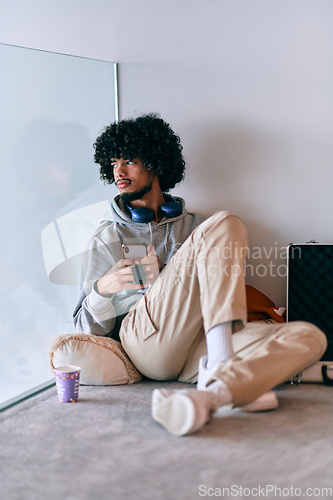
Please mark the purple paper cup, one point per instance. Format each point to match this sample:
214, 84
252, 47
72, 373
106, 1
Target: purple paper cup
67, 381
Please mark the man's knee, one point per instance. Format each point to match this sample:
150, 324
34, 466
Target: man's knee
317, 334
227, 222
311, 332
221, 216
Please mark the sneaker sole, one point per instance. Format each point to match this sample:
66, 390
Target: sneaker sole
176, 412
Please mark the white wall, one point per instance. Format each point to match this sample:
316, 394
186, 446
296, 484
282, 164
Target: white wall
248, 85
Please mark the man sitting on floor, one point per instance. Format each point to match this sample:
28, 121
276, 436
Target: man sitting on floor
187, 322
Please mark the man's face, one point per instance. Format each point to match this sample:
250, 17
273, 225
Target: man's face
53, 179
132, 178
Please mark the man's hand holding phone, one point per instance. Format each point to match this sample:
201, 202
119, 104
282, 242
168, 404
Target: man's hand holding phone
121, 276
151, 265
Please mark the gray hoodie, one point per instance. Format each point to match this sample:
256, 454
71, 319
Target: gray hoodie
98, 315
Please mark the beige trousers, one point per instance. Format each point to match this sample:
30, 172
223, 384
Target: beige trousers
201, 287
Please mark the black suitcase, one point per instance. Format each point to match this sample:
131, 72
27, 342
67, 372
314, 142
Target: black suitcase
310, 298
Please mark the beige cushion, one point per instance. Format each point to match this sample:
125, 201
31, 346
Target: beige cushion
103, 361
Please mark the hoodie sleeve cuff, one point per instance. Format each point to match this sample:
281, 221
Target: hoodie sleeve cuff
99, 305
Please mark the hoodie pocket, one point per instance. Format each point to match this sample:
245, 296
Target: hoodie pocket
162, 300
142, 323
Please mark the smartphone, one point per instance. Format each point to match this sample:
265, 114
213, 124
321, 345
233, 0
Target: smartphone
136, 251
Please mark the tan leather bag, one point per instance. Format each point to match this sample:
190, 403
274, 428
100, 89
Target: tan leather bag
260, 307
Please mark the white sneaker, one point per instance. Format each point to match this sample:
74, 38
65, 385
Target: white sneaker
207, 382
184, 411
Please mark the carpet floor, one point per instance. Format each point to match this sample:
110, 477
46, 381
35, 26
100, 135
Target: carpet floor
106, 446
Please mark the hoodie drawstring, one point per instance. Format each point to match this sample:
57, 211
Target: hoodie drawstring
166, 237
151, 235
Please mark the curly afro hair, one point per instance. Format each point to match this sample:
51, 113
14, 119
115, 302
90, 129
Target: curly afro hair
148, 138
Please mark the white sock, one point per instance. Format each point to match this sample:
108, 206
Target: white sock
219, 344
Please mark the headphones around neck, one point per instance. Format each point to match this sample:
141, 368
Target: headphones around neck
169, 209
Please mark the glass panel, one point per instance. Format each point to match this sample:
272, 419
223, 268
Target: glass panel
52, 109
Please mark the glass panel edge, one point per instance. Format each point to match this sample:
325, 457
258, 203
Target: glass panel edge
27, 394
